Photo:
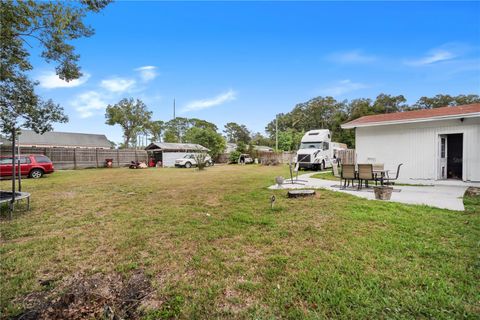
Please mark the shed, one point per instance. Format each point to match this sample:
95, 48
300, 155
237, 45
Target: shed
54, 139
433, 144
231, 147
167, 152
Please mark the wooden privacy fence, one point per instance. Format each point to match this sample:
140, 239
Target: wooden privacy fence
262, 156
346, 156
77, 158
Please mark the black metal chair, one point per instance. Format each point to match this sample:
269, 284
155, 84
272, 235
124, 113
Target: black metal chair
388, 180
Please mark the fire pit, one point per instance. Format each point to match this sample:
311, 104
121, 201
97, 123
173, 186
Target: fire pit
300, 193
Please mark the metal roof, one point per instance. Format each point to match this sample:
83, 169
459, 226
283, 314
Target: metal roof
167, 146
469, 110
64, 139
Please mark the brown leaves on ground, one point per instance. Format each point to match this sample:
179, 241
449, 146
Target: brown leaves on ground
86, 297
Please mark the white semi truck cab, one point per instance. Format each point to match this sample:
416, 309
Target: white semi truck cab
317, 151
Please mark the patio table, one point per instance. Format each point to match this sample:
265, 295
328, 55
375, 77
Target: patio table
382, 174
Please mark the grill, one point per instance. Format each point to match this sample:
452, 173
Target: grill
303, 158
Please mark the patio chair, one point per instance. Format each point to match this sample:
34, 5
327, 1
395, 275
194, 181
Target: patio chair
378, 167
365, 173
388, 180
347, 175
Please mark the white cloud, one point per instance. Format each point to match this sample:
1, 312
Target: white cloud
208, 103
342, 87
354, 56
89, 103
117, 84
49, 80
147, 73
434, 56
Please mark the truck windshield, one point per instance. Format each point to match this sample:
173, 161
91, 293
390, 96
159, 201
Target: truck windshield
311, 145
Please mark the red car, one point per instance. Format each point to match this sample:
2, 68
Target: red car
34, 166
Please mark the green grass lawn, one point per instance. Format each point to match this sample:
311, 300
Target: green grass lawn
211, 247
325, 176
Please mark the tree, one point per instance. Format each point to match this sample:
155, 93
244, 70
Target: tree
133, 116
175, 129
237, 133
155, 130
385, 103
208, 138
48, 26
360, 107
259, 139
170, 136
242, 147
444, 100
289, 140
467, 99
194, 122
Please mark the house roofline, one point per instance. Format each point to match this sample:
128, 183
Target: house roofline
353, 125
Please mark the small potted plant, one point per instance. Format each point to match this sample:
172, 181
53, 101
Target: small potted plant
279, 180
383, 192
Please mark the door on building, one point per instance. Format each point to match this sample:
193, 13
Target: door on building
450, 156
158, 156
455, 156
442, 157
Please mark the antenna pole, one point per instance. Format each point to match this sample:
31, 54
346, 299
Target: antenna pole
276, 133
173, 108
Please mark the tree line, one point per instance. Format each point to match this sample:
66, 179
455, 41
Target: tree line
329, 113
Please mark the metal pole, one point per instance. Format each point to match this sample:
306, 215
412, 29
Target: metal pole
74, 158
173, 108
12, 202
276, 133
19, 168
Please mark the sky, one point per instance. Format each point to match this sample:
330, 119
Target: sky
245, 62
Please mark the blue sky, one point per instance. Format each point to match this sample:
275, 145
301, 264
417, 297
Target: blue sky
246, 62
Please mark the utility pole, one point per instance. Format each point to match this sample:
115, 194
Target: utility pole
276, 132
174, 108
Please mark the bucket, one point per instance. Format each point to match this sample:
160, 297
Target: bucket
383, 192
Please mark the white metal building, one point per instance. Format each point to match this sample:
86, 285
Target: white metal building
167, 153
433, 144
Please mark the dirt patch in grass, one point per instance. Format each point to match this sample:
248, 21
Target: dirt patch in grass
86, 297
472, 192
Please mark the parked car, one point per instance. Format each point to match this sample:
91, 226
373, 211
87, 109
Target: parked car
245, 159
189, 161
33, 166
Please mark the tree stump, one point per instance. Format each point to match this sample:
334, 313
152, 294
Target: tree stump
300, 193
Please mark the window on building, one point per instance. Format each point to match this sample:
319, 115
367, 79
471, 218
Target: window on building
443, 144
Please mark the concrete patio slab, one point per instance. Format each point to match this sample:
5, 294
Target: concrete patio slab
439, 196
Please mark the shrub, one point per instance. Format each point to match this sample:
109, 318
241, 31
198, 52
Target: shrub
200, 158
233, 157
